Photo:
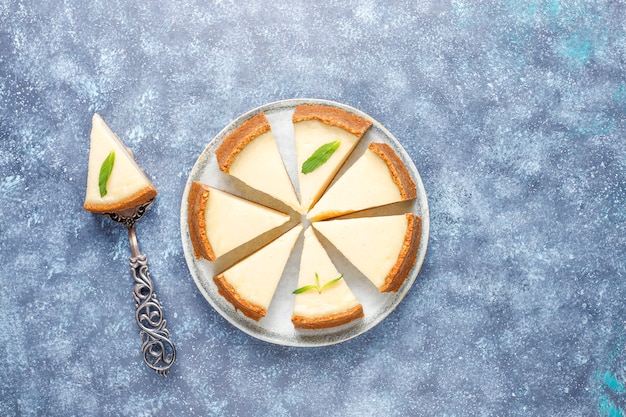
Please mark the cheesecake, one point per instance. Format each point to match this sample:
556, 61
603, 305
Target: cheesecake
219, 222
115, 182
317, 127
383, 248
249, 285
250, 154
377, 178
323, 299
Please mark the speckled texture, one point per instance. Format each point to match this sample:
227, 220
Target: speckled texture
513, 111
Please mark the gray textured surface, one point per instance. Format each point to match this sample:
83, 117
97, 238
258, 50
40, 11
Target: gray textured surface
514, 113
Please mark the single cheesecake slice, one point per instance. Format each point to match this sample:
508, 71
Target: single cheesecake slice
114, 180
377, 178
250, 154
329, 303
249, 285
314, 127
220, 222
383, 248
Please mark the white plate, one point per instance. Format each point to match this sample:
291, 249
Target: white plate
276, 326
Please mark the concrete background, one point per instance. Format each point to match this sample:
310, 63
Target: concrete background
513, 111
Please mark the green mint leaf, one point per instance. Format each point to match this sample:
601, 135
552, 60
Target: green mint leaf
317, 285
105, 173
320, 156
329, 283
305, 288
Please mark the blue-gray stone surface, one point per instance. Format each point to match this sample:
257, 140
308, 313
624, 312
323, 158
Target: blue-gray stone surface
514, 112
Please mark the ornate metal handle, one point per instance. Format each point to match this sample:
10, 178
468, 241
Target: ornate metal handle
158, 350
159, 353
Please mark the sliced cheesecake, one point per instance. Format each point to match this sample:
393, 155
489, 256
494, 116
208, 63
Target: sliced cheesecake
377, 178
383, 248
328, 302
114, 180
220, 222
249, 285
316, 127
250, 154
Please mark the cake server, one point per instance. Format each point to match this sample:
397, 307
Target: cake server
159, 353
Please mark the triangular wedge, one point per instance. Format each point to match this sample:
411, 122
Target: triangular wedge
383, 248
220, 222
315, 126
336, 304
127, 186
249, 285
377, 178
250, 154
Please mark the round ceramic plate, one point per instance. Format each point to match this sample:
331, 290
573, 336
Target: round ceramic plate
276, 326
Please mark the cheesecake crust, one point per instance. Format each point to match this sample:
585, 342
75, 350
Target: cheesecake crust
239, 138
333, 320
196, 222
332, 116
407, 257
133, 201
399, 172
230, 294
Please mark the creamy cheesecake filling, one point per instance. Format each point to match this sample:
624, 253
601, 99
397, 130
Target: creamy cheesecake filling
256, 277
334, 299
309, 136
232, 221
260, 165
126, 180
376, 250
367, 183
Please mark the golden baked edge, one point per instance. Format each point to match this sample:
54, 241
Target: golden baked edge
399, 172
333, 116
239, 138
325, 322
230, 294
196, 222
407, 257
131, 202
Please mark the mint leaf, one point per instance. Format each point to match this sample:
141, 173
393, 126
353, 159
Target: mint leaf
320, 156
305, 288
317, 285
105, 173
329, 283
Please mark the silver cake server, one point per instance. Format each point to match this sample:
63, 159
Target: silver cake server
159, 353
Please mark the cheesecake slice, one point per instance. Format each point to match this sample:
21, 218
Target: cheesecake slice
219, 222
383, 248
330, 303
249, 285
377, 178
316, 126
250, 154
114, 180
